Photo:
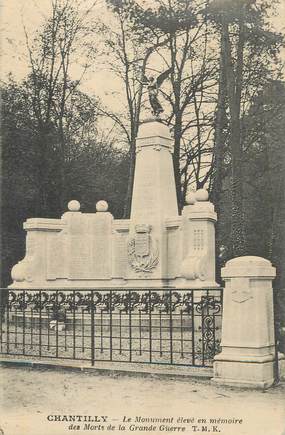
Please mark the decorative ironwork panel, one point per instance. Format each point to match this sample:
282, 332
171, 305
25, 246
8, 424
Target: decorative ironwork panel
162, 326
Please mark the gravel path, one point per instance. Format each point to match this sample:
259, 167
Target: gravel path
31, 397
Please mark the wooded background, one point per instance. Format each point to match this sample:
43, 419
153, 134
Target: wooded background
224, 102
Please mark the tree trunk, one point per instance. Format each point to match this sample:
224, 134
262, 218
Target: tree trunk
234, 85
62, 144
42, 177
128, 197
220, 137
277, 253
219, 147
176, 160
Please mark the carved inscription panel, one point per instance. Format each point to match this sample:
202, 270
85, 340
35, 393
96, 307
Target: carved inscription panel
120, 258
101, 248
198, 240
80, 257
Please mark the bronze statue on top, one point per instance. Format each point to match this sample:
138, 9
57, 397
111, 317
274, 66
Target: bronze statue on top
153, 86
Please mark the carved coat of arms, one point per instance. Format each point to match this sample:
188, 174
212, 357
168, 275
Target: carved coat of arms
143, 250
240, 291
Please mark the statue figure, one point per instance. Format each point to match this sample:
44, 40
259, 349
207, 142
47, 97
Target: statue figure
153, 86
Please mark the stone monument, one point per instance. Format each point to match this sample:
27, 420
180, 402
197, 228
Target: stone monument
248, 343
156, 247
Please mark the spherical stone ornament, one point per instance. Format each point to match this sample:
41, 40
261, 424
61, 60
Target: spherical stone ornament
201, 195
73, 205
18, 272
191, 198
102, 206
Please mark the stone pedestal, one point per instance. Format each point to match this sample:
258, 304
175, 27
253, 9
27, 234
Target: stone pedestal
198, 263
248, 352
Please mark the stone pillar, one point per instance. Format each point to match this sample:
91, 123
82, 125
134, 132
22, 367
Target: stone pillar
247, 357
31, 271
154, 194
199, 218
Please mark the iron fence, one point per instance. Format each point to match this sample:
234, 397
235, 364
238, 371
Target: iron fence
157, 326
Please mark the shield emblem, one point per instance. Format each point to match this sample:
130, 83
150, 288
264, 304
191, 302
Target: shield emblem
142, 244
239, 295
143, 250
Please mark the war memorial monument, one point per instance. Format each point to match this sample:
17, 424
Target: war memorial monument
95, 288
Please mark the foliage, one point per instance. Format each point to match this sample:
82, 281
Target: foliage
180, 41
248, 63
94, 169
224, 65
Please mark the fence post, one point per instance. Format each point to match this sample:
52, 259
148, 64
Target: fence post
248, 344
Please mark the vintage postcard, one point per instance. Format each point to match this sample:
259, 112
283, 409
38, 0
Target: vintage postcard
142, 217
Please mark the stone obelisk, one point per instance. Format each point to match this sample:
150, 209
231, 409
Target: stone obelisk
153, 202
154, 193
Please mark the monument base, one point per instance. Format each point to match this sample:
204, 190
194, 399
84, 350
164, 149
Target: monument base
244, 372
115, 283
195, 284
243, 384
281, 366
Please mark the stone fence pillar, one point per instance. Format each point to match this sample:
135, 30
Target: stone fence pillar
248, 352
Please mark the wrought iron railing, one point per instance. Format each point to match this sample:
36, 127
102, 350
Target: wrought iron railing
159, 326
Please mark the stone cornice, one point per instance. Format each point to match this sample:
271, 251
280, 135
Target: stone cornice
42, 224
